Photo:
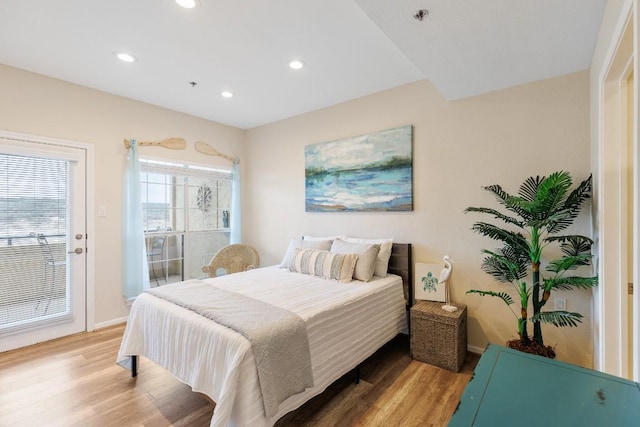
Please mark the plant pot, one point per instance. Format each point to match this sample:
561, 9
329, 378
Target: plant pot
532, 347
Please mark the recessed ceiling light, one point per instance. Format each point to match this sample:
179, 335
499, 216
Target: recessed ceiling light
187, 4
226, 94
125, 57
296, 64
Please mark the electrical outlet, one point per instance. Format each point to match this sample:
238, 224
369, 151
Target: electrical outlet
560, 304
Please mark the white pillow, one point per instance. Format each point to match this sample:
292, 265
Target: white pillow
367, 255
294, 244
337, 236
382, 262
325, 264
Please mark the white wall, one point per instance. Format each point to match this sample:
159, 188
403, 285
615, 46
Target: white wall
502, 137
34, 104
499, 138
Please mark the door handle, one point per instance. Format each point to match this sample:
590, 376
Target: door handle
76, 251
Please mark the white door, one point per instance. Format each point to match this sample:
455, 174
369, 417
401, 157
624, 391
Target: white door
42, 241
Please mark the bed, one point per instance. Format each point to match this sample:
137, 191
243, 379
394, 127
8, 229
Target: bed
346, 323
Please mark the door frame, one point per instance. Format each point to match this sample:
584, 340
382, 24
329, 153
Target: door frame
611, 210
89, 214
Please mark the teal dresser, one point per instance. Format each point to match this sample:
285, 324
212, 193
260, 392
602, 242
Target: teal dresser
515, 389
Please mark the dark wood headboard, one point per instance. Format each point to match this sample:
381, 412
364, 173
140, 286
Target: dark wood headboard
401, 264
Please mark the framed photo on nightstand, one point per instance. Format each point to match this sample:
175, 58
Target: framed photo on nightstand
425, 282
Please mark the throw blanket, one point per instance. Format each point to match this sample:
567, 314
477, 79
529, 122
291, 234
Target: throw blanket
278, 337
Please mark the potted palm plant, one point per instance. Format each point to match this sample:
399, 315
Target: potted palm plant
543, 208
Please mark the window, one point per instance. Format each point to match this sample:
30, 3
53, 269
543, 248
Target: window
186, 211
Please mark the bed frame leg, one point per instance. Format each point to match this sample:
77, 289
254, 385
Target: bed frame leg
357, 373
134, 366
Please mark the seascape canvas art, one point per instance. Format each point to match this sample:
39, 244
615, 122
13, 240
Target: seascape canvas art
366, 173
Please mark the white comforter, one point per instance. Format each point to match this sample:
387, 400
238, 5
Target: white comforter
346, 323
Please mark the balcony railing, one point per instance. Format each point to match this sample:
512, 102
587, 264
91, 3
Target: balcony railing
26, 239
30, 286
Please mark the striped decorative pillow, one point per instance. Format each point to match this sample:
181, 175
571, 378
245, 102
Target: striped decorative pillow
325, 264
367, 256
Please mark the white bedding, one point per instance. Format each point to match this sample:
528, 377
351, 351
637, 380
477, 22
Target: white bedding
346, 323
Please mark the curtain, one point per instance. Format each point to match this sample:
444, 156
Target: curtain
135, 267
236, 213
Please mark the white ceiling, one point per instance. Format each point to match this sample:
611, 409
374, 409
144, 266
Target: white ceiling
352, 48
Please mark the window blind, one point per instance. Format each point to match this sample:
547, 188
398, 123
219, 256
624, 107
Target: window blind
33, 227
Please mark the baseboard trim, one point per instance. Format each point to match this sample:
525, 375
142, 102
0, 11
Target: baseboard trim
475, 349
109, 323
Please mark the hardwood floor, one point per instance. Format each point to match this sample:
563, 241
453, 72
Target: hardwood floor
74, 381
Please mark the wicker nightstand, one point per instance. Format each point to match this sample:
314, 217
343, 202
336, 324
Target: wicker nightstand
437, 336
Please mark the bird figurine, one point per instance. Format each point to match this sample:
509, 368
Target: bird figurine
445, 274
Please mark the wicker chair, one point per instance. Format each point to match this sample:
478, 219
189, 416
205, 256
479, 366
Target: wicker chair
233, 259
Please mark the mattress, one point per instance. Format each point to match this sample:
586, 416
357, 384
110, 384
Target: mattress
346, 323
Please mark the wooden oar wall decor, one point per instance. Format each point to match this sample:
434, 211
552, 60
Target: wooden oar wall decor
181, 144
172, 143
204, 148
